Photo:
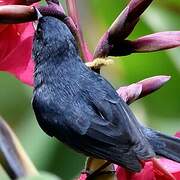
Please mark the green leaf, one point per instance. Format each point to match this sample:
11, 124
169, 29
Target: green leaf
41, 176
3, 174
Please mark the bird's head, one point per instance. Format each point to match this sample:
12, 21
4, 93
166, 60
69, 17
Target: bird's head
52, 38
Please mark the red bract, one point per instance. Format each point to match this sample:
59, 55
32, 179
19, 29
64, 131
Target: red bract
83, 177
146, 173
151, 171
15, 46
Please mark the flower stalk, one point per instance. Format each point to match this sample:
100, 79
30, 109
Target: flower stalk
13, 153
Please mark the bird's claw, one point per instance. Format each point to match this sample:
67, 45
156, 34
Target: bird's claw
90, 174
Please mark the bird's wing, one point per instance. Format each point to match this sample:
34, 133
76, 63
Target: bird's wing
103, 118
102, 129
95, 136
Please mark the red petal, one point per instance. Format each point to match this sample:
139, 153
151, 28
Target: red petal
161, 172
145, 174
171, 166
177, 134
82, 177
16, 47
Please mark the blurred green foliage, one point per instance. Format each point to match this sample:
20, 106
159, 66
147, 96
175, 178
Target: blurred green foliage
161, 110
41, 176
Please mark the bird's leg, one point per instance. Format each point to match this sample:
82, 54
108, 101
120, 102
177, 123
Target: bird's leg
97, 168
100, 171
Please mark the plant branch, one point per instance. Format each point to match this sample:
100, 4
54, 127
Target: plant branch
17, 160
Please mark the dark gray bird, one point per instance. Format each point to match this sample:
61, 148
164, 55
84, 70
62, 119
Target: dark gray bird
81, 109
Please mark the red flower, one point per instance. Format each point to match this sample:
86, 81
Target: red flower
152, 170
83, 177
15, 48
146, 173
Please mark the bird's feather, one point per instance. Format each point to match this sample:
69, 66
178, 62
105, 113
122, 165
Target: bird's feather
78, 106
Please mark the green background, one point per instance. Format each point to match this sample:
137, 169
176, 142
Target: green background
160, 110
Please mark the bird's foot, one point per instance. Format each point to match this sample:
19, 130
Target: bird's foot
90, 175
101, 171
100, 175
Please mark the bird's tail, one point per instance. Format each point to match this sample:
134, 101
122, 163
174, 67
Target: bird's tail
164, 145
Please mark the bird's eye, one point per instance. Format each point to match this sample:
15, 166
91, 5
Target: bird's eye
39, 31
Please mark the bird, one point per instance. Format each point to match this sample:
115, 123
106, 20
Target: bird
81, 108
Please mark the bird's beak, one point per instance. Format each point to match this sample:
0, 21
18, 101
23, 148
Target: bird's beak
38, 15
